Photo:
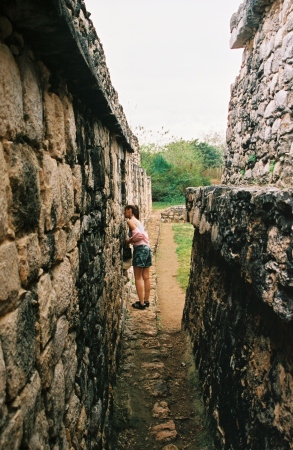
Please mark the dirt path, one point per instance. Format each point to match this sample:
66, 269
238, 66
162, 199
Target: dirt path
156, 399
170, 295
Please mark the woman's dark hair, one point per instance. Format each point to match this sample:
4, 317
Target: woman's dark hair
134, 209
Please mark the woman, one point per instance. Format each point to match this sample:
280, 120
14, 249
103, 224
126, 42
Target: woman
142, 256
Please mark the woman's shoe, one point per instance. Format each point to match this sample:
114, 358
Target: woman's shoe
146, 303
138, 305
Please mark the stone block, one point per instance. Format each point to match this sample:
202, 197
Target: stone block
287, 47
25, 186
11, 112
286, 125
29, 258
47, 247
11, 435
60, 337
70, 129
73, 412
47, 308
45, 365
52, 352
3, 408
54, 119
40, 437
29, 398
278, 245
69, 360
4, 195
17, 332
77, 185
9, 277
56, 400
32, 99
60, 238
73, 236
67, 193
52, 193
73, 257
63, 285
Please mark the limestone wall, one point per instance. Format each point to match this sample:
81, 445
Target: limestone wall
260, 121
68, 165
239, 312
174, 214
239, 300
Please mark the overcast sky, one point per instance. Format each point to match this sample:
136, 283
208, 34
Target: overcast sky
170, 62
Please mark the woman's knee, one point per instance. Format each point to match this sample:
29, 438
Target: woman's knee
146, 275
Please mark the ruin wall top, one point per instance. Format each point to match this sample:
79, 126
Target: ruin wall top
260, 118
62, 34
246, 20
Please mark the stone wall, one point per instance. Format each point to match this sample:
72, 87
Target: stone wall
260, 121
239, 312
174, 214
239, 307
68, 165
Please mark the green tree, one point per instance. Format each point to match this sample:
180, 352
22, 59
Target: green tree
178, 165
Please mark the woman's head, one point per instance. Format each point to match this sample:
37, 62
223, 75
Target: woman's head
134, 209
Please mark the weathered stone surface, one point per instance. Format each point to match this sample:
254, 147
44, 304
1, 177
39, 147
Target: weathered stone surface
161, 410
260, 123
9, 277
32, 99
48, 308
73, 236
17, 332
63, 285
73, 412
29, 397
3, 408
70, 130
65, 160
25, 187
4, 195
56, 399
69, 360
174, 214
165, 432
54, 117
239, 310
11, 435
258, 250
52, 200
40, 436
170, 447
11, 114
67, 193
29, 257
60, 238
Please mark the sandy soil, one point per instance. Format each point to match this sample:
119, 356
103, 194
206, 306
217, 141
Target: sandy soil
170, 295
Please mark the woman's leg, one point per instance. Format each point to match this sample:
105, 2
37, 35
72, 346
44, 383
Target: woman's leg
139, 282
147, 282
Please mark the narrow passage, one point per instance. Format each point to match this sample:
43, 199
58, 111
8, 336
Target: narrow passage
156, 401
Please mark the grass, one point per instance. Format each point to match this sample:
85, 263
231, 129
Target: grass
183, 235
164, 205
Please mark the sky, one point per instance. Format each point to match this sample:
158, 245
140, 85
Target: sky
170, 62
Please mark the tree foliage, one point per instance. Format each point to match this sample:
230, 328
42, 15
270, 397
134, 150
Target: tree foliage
177, 166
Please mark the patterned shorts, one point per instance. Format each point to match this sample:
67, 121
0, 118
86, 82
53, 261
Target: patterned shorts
142, 256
